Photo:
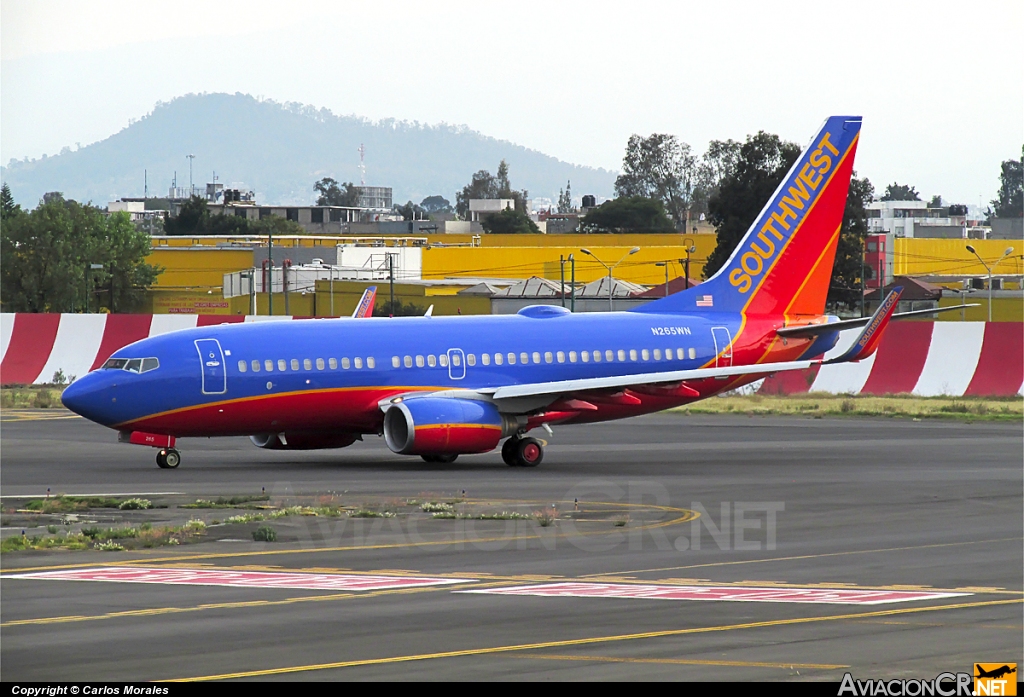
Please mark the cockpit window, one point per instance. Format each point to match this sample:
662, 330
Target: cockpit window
133, 365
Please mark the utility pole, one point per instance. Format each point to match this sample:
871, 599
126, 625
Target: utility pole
391, 280
572, 282
690, 248
270, 258
561, 264
665, 264
191, 186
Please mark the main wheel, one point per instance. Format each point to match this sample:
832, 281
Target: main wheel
508, 452
443, 459
161, 459
172, 458
529, 452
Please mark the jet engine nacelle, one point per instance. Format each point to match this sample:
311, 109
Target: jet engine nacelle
445, 426
303, 441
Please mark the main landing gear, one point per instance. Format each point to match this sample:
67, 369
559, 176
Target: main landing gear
522, 452
168, 458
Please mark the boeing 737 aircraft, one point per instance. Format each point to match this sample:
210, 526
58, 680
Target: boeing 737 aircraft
439, 387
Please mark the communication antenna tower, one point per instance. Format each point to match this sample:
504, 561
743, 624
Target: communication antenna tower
362, 166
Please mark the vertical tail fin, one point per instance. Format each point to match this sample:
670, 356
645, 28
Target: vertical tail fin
365, 306
783, 264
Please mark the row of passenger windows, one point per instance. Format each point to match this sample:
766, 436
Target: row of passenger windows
432, 361
524, 358
307, 364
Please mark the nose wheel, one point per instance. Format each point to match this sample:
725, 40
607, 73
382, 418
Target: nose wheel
168, 458
522, 452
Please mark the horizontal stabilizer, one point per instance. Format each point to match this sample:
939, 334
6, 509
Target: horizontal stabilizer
809, 330
869, 339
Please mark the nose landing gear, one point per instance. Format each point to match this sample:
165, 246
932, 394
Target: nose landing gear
522, 452
168, 458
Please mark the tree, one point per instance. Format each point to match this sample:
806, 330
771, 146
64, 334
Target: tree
1010, 201
719, 161
565, 199
484, 185
936, 202
845, 286
628, 214
659, 167
509, 221
762, 163
958, 209
900, 192
192, 219
436, 204
333, 194
410, 211
400, 309
46, 253
8, 208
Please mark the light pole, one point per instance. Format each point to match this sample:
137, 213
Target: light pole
665, 264
611, 268
690, 248
191, 187
1008, 252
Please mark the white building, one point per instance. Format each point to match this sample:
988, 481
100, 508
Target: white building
914, 219
482, 207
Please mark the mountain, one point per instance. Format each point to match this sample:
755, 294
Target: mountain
280, 150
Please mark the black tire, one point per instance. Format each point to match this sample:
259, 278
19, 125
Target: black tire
508, 452
172, 458
161, 459
529, 452
441, 459
428, 458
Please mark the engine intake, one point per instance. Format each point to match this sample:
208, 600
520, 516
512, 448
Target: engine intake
303, 441
445, 425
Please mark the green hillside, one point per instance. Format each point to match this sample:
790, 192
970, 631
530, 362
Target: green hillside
279, 150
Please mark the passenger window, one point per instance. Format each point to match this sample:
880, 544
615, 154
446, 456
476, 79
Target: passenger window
345, 363
269, 365
597, 356
358, 362
645, 354
560, 356
680, 354
242, 367
149, 364
420, 362
307, 364
408, 361
524, 358
622, 355
281, 364
333, 363
295, 364
693, 353
632, 354
470, 359
585, 356
485, 358
536, 357
572, 356
456, 360
668, 354
370, 362
443, 360
396, 362
432, 360
498, 358
610, 356
255, 366
548, 357
134, 365
511, 359
319, 363
657, 354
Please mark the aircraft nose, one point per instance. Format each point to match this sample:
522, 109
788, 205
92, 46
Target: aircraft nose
84, 397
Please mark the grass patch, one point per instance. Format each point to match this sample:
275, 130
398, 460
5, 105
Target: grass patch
71, 504
366, 513
898, 406
264, 533
31, 397
435, 507
108, 539
231, 502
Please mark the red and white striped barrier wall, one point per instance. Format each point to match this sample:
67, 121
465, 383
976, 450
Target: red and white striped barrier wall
35, 346
922, 358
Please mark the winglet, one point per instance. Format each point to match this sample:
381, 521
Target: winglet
867, 342
365, 306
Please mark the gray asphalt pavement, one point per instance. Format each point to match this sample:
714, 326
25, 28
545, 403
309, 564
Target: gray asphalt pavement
737, 502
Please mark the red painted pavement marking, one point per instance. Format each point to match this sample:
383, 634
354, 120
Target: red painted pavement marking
750, 595
242, 579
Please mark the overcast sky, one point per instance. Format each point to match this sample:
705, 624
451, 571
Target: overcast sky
940, 85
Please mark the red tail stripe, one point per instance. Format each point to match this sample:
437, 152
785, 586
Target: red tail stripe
900, 359
32, 342
118, 332
1000, 368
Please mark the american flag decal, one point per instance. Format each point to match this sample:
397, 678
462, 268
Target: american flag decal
706, 301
